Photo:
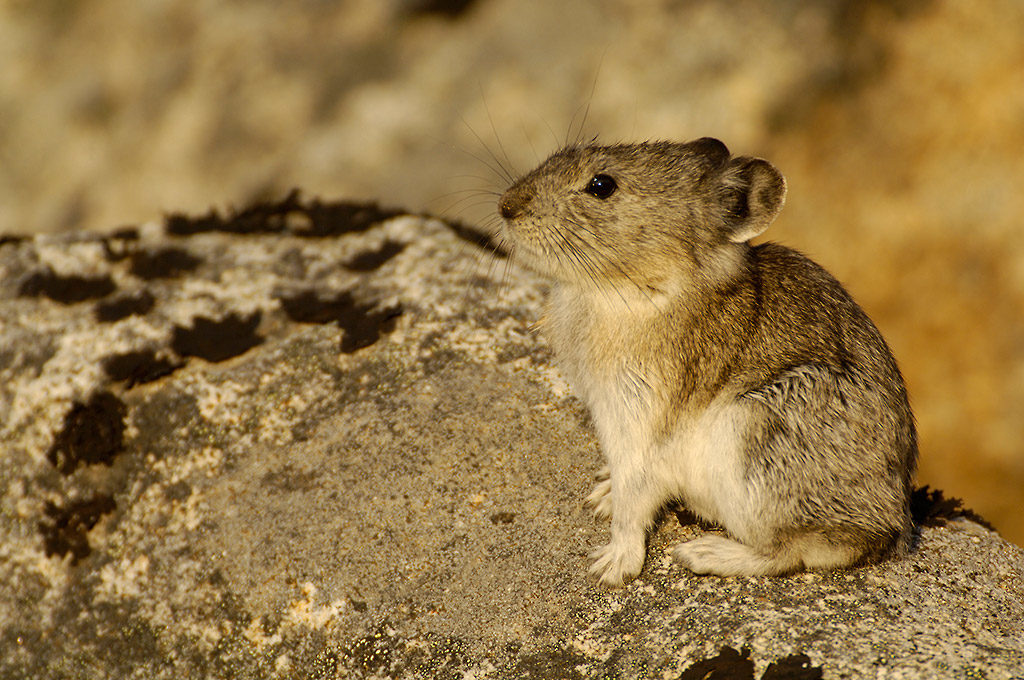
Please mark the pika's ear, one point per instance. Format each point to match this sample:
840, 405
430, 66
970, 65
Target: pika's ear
712, 150
752, 193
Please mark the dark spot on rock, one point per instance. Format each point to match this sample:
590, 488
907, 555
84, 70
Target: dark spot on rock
215, 340
163, 263
288, 478
728, 665
66, 289
303, 431
733, 665
449, 9
138, 367
358, 605
477, 238
373, 259
118, 307
118, 244
503, 517
178, 491
64, 529
217, 578
795, 667
362, 323
364, 331
308, 307
179, 224
12, 239
931, 509
335, 219
125, 233
311, 218
92, 433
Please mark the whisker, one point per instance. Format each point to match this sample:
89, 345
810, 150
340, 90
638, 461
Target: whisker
533, 149
554, 136
467, 194
508, 163
641, 289
467, 203
503, 286
585, 263
494, 165
590, 100
600, 282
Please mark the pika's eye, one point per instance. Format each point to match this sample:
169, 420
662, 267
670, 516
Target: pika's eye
601, 186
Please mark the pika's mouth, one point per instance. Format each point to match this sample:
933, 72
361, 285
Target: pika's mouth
512, 234
526, 251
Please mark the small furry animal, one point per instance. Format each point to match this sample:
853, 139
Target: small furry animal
740, 380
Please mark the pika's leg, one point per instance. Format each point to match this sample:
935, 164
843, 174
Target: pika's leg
634, 502
600, 499
726, 557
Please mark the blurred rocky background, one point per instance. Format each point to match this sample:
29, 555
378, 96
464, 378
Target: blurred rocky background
900, 126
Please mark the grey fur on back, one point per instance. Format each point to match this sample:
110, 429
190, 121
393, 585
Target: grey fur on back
827, 383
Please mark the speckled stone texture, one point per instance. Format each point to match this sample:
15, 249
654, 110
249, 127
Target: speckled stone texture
320, 440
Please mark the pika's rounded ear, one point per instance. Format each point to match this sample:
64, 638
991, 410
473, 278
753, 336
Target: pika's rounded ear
713, 150
751, 195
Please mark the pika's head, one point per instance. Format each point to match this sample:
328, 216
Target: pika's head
653, 215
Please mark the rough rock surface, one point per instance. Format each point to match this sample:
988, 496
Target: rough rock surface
317, 440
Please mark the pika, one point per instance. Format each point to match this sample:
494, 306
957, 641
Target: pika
742, 381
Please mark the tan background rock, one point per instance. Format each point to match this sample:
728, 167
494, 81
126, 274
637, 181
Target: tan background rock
899, 125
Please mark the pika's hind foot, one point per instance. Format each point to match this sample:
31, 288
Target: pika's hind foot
725, 557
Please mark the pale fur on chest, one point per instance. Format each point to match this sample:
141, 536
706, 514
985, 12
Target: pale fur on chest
598, 340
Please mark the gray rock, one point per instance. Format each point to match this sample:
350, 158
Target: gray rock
321, 441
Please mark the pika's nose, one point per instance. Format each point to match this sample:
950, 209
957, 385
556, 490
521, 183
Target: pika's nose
511, 203
507, 208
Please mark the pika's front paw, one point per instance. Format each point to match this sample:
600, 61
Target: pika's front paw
600, 499
615, 563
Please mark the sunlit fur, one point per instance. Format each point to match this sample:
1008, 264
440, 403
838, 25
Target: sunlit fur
742, 381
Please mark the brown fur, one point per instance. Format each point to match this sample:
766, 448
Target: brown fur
681, 337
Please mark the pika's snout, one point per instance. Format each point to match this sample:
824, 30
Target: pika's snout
507, 209
512, 202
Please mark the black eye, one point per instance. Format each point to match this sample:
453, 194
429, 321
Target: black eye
601, 186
